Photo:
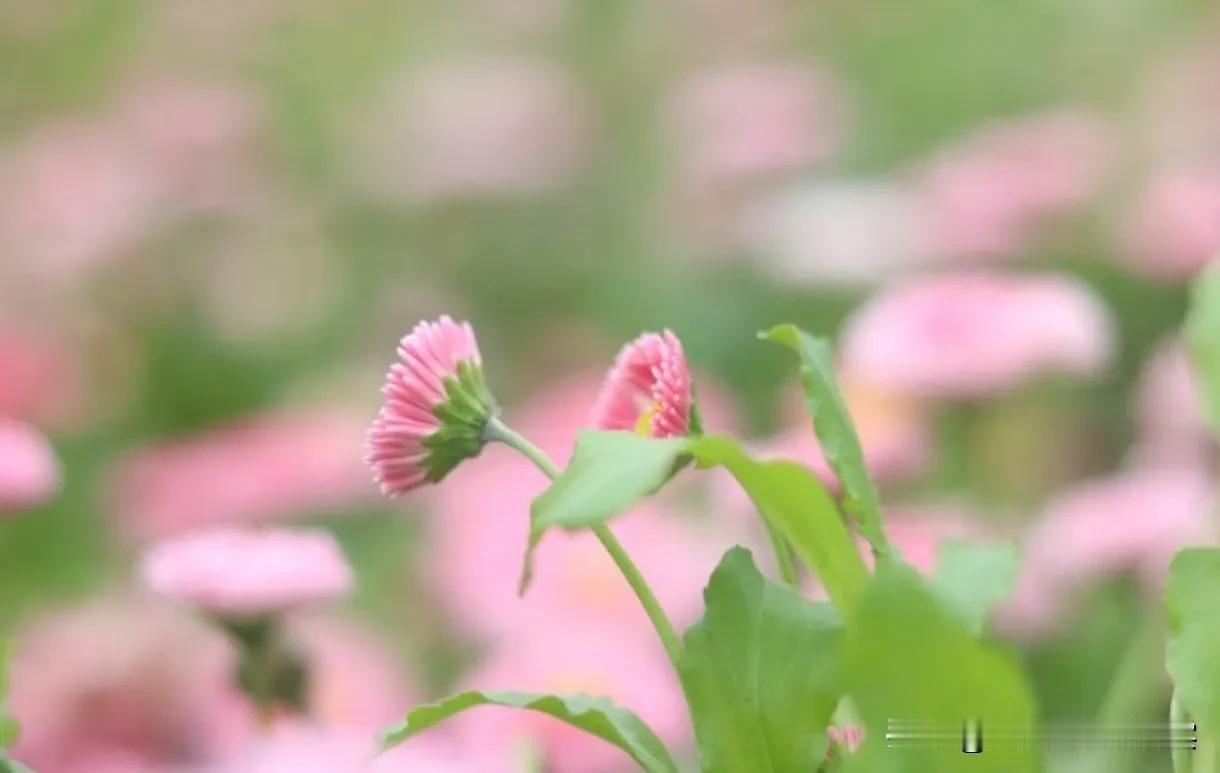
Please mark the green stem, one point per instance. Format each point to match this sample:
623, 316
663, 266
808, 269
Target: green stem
1132, 694
499, 431
783, 555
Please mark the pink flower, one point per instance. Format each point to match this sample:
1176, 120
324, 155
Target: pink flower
118, 685
648, 390
971, 335
437, 406
572, 657
29, 471
240, 573
1133, 522
984, 198
263, 468
1176, 229
755, 120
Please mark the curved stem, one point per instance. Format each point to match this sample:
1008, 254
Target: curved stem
499, 431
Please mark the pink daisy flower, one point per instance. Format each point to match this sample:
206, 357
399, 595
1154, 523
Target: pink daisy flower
648, 390
437, 407
243, 573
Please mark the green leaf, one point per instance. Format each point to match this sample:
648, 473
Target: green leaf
609, 472
1193, 654
971, 577
594, 715
794, 501
908, 657
836, 433
1203, 336
760, 673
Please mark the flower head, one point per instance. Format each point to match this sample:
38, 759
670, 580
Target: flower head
649, 389
247, 573
971, 335
437, 406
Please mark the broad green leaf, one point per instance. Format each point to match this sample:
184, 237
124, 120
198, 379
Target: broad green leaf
908, 657
594, 715
837, 435
760, 673
794, 501
1203, 336
609, 472
1193, 654
971, 576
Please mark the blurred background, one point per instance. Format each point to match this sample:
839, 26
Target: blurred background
218, 221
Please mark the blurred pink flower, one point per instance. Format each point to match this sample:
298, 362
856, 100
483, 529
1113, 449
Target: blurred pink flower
86, 197
264, 468
970, 335
124, 686
237, 572
190, 135
478, 544
648, 390
750, 120
305, 749
1176, 228
402, 447
29, 471
984, 197
573, 657
478, 127
355, 682
1133, 522
1169, 410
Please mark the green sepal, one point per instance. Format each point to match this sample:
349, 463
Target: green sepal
464, 414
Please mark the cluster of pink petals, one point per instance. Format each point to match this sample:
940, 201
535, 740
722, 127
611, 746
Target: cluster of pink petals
1133, 522
984, 198
414, 387
263, 468
242, 573
1176, 228
756, 119
29, 470
649, 375
975, 334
